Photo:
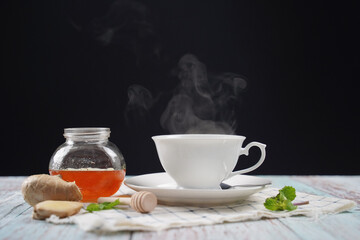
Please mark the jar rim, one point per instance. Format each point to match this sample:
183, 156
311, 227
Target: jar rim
86, 131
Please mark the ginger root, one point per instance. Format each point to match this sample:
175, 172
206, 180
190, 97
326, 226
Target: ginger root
41, 187
61, 209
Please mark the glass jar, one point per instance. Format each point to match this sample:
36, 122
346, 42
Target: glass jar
91, 160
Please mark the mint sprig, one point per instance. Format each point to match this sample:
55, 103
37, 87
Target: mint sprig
282, 201
102, 206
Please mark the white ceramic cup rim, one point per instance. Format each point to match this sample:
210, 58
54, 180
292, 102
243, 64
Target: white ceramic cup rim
199, 136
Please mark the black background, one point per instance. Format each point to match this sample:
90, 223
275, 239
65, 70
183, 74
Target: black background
70, 63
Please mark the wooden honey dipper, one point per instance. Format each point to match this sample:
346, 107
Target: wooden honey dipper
142, 201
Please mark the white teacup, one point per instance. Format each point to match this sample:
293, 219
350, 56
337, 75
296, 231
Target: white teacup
203, 161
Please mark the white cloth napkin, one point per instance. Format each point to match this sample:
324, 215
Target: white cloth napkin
165, 217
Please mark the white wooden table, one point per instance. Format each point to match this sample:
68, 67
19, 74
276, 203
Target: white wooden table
16, 221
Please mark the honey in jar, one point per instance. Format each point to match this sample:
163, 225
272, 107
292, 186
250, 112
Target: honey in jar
93, 183
90, 160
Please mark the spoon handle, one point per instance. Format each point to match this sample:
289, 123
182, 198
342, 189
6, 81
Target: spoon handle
227, 186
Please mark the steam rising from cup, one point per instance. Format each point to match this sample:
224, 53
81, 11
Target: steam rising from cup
201, 103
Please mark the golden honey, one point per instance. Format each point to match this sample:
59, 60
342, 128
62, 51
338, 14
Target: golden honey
93, 182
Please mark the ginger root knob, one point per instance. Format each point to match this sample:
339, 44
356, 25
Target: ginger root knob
61, 209
41, 187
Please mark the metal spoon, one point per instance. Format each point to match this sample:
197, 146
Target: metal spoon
227, 186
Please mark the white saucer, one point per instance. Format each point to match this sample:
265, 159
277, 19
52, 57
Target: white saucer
167, 191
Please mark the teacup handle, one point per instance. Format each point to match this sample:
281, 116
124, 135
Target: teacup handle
245, 151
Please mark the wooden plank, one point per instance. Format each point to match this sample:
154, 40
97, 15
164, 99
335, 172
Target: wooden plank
11, 209
291, 228
339, 226
23, 226
12, 203
16, 221
330, 227
16, 218
294, 181
347, 187
11, 183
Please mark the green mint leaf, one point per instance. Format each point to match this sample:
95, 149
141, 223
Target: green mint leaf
110, 205
289, 192
280, 197
93, 207
102, 206
272, 204
282, 201
289, 206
